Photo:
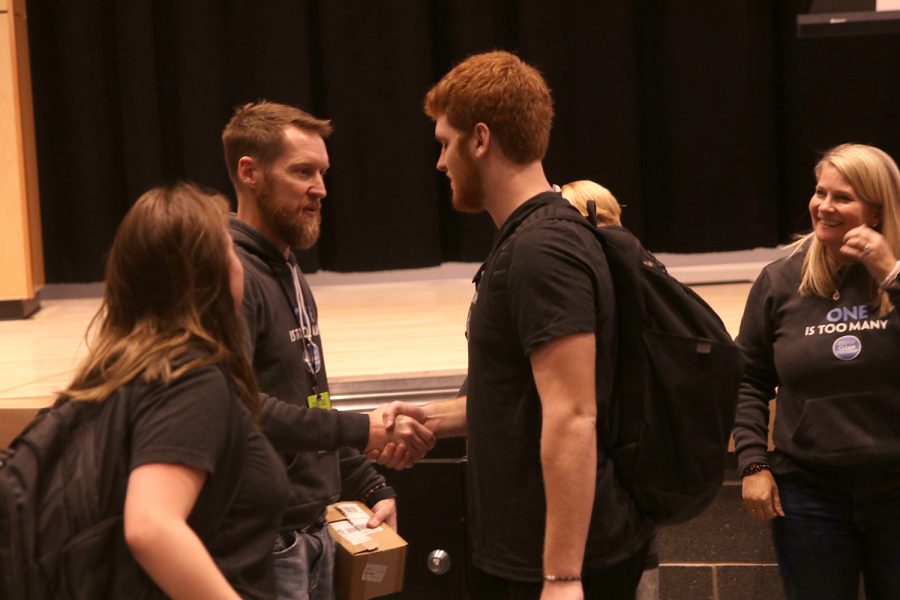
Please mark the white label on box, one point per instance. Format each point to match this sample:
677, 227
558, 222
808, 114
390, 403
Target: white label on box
374, 573
350, 533
354, 514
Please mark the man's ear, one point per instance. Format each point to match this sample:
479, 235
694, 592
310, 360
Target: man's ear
248, 171
481, 140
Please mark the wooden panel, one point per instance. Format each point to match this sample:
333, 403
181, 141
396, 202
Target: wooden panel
14, 276
14, 6
21, 256
14, 420
29, 149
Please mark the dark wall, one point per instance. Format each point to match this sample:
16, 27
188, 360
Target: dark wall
704, 118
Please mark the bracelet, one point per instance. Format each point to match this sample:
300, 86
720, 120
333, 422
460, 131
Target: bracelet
891, 277
372, 490
755, 468
561, 578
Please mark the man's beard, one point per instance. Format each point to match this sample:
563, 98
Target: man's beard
468, 186
293, 228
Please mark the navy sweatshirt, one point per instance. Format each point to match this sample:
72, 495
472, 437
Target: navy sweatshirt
834, 365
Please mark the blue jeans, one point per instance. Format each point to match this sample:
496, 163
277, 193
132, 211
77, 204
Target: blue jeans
827, 539
304, 564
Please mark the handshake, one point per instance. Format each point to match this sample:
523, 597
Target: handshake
398, 435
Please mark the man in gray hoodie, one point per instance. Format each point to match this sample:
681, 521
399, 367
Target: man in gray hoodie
277, 159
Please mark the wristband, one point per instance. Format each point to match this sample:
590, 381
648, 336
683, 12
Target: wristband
377, 493
756, 468
891, 277
561, 578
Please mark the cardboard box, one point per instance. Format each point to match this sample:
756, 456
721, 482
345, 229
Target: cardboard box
368, 562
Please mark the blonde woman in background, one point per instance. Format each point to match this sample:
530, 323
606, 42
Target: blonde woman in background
609, 212
579, 192
821, 334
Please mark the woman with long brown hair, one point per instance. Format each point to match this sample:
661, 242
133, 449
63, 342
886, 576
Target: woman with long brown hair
205, 491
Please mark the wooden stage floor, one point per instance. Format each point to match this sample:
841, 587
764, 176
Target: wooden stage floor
405, 329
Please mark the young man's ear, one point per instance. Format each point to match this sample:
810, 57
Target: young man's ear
481, 139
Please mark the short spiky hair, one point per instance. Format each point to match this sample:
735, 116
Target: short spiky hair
503, 92
257, 130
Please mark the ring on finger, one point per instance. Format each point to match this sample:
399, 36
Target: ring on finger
866, 248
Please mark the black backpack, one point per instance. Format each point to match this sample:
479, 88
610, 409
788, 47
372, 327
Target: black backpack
61, 501
676, 380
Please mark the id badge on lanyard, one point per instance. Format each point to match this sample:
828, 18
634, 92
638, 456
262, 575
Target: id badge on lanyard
319, 400
312, 356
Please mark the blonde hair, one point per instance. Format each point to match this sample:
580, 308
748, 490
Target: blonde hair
167, 297
875, 179
578, 193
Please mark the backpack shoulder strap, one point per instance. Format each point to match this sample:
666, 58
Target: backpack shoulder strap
620, 241
625, 257
624, 253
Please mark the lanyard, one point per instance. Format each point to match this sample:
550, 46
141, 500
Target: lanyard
312, 357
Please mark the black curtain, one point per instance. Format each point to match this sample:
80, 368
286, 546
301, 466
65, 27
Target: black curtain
705, 119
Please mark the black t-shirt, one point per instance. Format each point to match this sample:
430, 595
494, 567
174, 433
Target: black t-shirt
198, 422
555, 283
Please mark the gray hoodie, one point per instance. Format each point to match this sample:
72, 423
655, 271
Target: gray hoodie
320, 448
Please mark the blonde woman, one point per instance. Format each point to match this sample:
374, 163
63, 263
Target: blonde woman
609, 212
204, 492
820, 333
578, 193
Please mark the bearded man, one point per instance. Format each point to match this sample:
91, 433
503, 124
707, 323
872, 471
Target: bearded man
277, 160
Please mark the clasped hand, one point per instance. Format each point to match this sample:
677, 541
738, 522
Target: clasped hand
398, 437
868, 246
